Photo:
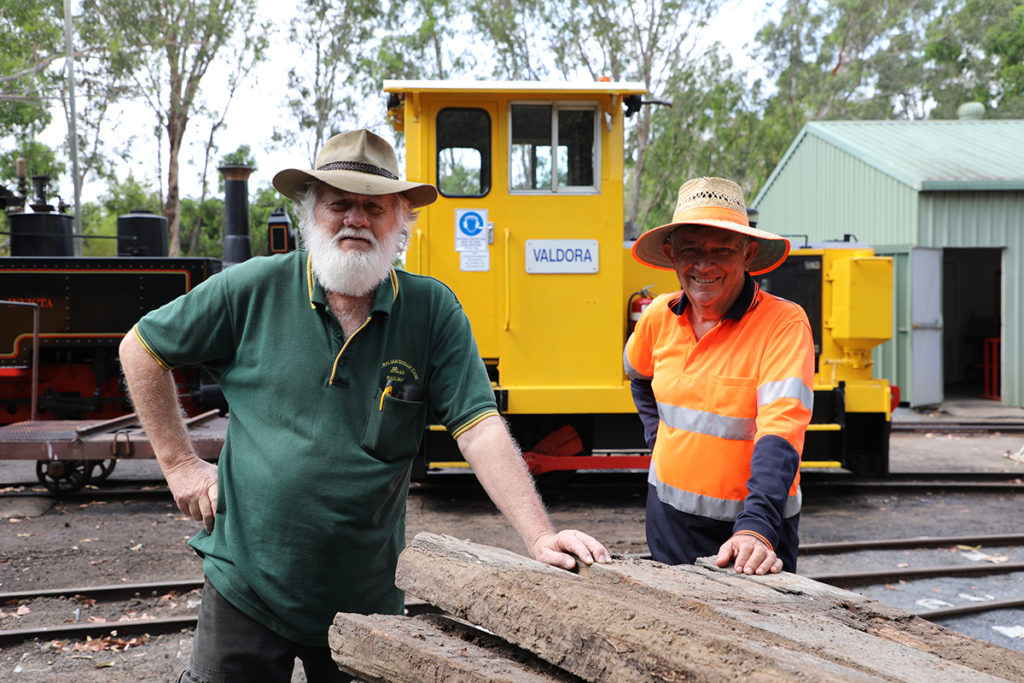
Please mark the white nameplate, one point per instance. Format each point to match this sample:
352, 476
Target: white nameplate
561, 256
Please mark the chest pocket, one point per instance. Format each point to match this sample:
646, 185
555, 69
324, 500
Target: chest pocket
732, 396
394, 427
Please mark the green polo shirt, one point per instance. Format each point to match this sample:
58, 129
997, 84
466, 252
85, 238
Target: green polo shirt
314, 472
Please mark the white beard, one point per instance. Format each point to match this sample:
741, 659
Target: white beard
350, 272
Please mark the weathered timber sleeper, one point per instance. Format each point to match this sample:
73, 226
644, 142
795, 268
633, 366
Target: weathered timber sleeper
637, 620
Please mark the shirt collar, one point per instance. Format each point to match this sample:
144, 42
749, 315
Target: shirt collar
383, 299
739, 307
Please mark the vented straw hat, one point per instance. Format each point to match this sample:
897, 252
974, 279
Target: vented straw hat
357, 161
718, 203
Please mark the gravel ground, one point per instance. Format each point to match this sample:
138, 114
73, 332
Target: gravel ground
48, 544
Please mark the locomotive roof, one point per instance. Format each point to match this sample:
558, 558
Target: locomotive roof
532, 87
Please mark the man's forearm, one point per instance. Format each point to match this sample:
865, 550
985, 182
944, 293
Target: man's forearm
496, 461
156, 403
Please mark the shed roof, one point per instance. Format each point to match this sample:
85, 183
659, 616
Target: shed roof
929, 155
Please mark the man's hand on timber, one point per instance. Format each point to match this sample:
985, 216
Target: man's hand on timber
554, 549
751, 555
194, 486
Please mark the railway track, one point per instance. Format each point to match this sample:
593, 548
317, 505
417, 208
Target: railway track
124, 599
607, 482
916, 574
960, 426
119, 611
980, 482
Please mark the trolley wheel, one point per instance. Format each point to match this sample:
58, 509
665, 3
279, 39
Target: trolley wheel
101, 469
63, 476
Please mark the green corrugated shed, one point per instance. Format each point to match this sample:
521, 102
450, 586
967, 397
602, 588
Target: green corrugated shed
946, 190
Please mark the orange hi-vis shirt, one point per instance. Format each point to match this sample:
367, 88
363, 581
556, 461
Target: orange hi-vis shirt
720, 399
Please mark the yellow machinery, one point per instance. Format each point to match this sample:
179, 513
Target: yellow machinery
528, 232
847, 293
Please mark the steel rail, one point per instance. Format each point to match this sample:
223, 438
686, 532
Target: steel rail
136, 626
863, 578
953, 426
110, 592
950, 612
915, 542
957, 482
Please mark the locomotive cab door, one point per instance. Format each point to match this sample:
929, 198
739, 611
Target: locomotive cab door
455, 241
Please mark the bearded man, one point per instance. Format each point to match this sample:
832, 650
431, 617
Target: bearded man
329, 360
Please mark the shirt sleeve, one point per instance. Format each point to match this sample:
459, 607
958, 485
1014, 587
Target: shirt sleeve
194, 329
646, 408
785, 401
460, 393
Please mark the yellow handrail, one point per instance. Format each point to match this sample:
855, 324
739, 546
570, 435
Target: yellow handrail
508, 280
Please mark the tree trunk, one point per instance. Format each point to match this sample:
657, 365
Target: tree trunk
175, 132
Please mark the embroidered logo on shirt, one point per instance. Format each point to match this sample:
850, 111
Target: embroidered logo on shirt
398, 370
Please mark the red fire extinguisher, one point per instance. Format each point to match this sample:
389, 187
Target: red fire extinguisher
638, 301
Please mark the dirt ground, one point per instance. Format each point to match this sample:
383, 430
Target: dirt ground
54, 544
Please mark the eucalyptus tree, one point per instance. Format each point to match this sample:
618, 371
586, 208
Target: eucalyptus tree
163, 48
331, 79
976, 50
31, 40
31, 50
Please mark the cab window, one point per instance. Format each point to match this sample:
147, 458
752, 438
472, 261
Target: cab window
553, 148
463, 152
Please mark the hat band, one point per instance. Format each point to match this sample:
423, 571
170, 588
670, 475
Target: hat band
704, 213
360, 166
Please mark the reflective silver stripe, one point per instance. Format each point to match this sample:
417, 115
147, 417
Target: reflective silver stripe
630, 370
707, 506
712, 424
791, 387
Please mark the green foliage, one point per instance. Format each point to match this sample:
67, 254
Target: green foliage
711, 129
99, 220
242, 156
129, 195
31, 38
40, 160
975, 50
205, 217
265, 201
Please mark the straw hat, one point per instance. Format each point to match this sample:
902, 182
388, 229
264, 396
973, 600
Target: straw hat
357, 161
718, 203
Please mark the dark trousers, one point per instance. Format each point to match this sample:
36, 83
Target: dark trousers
230, 647
676, 537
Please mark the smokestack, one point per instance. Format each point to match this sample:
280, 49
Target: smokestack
237, 245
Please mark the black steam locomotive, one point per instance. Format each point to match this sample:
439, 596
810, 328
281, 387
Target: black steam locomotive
63, 316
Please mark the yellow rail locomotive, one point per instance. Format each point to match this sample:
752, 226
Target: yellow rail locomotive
528, 232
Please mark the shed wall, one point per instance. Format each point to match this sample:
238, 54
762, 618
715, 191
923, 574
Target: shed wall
824, 192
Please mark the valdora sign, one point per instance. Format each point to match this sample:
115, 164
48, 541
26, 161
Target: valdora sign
562, 256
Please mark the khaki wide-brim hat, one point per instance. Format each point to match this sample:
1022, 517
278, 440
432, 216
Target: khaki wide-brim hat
357, 161
717, 203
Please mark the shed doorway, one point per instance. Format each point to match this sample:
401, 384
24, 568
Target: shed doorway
972, 314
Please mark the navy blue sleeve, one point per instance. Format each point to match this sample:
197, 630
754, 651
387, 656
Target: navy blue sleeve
772, 470
646, 407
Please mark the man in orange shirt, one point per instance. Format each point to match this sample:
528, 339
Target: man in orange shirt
722, 376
